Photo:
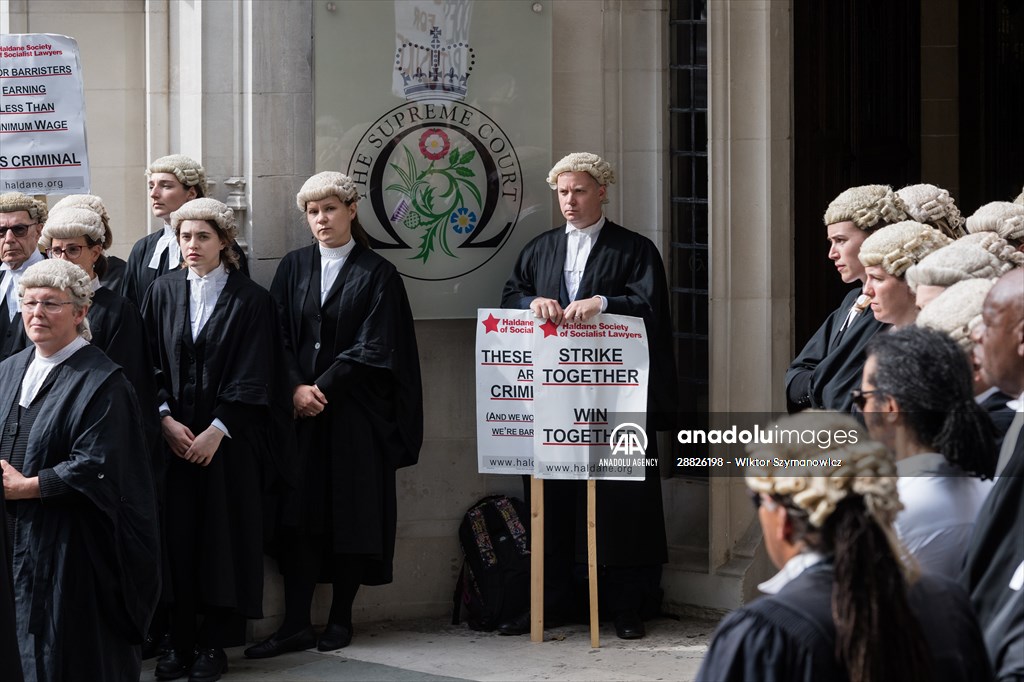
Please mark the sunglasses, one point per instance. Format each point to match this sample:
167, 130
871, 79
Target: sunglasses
18, 230
860, 398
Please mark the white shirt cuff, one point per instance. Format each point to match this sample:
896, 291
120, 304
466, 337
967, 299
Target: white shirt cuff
220, 425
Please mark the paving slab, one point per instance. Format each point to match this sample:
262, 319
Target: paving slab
433, 650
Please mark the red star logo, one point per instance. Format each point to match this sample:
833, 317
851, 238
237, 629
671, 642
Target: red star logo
491, 324
550, 329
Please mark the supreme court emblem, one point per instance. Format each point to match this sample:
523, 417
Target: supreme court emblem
441, 177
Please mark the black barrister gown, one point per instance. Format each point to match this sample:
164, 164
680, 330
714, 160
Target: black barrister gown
214, 522
995, 551
830, 364
790, 636
12, 331
359, 348
86, 562
626, 268
113, 276
1000, 413
137, 276
8, 633
117, 330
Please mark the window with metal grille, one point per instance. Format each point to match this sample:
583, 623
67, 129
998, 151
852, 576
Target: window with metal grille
688, 260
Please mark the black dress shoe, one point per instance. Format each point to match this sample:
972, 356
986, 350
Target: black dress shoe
274, 646
334, 637
520, 625
153, 647
173, 665
629, 625
209, 666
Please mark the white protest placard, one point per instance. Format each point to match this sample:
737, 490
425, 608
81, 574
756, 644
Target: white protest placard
590, 398
504, 390
42, 115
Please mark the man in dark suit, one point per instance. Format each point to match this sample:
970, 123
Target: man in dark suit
572, 273
994, 570
21, 222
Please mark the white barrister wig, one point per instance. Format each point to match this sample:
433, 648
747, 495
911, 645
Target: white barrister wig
896, 247
327, 184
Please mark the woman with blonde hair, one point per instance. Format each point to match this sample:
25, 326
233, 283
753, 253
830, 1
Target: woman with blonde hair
846, 605
354, 378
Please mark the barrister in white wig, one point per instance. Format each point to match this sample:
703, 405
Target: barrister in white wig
828, 367
983, 255
80, 499
214, 340
886, 256
110, 269
172, 180
355, 392
957, 312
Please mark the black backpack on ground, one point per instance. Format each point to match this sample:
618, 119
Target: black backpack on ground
494, 584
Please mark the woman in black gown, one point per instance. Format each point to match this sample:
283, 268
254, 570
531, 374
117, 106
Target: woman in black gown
78, 231
213, 335
111, 269
357, 400
846, 604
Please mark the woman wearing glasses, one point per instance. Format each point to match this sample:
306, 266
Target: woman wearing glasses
918, 400
110, 269
844, 605
79, 235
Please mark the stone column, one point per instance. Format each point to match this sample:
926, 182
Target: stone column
750, 146
230, 83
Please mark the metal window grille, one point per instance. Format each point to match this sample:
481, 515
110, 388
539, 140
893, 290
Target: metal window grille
689, 262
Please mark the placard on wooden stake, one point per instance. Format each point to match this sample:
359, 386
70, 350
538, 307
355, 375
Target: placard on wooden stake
536, 559
595, 640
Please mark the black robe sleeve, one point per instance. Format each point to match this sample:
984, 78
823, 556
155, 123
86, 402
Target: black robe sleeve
8, 636
291, 282
800, 376
994, 553
826, 370
118, 330
625, 268
384, 344
748, 646
536, 272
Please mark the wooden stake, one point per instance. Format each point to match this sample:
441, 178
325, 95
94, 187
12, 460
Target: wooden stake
595, 639
536, 559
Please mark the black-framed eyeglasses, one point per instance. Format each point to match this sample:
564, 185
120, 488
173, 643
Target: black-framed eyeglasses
71, 251
18, 230
52, 307
860, 398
